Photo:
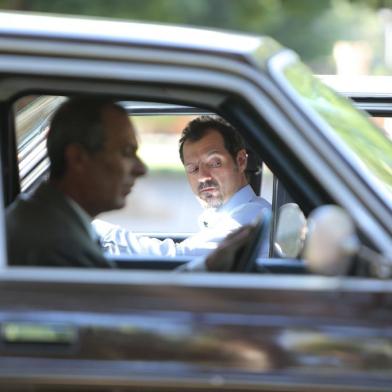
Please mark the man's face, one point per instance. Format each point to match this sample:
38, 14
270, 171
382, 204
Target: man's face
211, 171
111, 172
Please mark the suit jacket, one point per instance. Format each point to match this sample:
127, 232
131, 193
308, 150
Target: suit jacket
43, 229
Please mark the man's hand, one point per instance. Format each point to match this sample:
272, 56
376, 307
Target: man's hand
224, 257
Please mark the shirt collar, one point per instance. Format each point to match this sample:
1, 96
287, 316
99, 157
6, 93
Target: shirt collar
210, 215
243, 195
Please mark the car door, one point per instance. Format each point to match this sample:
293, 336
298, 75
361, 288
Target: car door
131, 330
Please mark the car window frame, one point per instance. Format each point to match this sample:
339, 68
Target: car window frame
220, 97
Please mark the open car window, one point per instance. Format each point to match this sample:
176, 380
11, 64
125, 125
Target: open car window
161, 204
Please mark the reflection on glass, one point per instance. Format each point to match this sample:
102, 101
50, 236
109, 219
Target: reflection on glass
372, 149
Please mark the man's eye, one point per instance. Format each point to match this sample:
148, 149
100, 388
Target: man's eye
215, 163
191, 169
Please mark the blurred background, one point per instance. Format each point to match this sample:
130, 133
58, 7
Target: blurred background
333, 37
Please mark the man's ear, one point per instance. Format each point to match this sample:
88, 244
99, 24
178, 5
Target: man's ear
242, 159
75, 158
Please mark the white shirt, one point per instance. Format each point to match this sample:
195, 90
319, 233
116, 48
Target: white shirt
242, 208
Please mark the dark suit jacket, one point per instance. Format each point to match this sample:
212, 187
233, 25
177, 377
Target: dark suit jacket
44, 229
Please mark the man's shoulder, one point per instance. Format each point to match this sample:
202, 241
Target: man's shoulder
39, 203
260, 202
255, 205
52, 231
247, 212
247, 197
25, 207
252, 201
41, 210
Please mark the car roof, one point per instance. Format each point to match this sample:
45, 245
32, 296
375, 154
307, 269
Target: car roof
22, 24
19, 24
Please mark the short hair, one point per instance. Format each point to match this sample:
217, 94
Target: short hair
197, 128
76, 121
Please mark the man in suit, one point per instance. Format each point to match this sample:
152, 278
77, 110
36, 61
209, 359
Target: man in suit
92, 149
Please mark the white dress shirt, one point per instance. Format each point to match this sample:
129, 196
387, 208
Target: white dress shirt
244, 207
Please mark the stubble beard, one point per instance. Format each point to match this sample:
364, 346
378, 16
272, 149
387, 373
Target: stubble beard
212, 199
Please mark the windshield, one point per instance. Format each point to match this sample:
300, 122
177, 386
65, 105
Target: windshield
371, 147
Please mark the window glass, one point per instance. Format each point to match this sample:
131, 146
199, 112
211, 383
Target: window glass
267, 184
371, 147
32, 115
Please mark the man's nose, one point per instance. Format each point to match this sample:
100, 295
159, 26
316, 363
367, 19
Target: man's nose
139, 168
204, 173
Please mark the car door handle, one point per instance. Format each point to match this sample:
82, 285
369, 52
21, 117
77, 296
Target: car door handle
28, 332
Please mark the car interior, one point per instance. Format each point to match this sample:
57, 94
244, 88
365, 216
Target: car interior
159, 125
154, 121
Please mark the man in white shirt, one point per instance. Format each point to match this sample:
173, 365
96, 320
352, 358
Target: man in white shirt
215, 161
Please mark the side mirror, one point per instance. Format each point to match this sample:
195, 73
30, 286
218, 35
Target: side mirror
331, 241
290, 231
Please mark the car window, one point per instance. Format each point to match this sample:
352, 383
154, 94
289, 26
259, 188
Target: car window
368, 146
162, 201
32, 115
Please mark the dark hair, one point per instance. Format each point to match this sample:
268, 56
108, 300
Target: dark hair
79, 121
198, 127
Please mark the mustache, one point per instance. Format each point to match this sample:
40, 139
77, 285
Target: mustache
207, 184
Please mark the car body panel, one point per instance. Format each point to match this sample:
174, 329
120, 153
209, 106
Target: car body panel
194, 329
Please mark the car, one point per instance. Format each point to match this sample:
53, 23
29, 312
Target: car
313, 317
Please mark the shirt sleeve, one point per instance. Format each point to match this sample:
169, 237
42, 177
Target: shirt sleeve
116, 240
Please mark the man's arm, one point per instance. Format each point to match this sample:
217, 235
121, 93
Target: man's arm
116, 240
119, 241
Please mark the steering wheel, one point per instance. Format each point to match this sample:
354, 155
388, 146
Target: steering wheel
245, 257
